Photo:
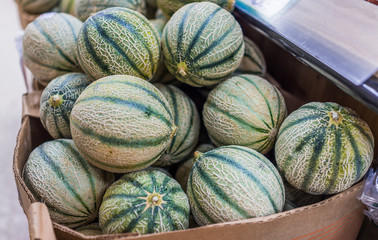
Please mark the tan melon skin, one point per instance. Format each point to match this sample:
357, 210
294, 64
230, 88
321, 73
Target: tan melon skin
124, 123
42, 48
241, 99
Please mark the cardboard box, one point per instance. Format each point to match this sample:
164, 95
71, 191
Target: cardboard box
338, 217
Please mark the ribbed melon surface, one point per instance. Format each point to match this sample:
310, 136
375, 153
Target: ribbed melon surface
37, 6
49, 46
233, 183
169, 7
72, 189
324, 148
84, 8
118, 41
122, 123
186, 118
202, 44
244, 110
146, 201
57, 101
253, 61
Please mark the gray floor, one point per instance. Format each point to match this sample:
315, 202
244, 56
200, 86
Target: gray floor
13, 223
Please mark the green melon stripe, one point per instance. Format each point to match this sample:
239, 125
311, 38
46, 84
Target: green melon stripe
240, 100
64, 116
240, 168
69, 24
180, 34
172, 223
306, 139
92, 52
151, 220
194, 197
123, 213
53, 44
218, 191
213, 45
200, 30
317, 109
230, 57
360, 129
31, 189
37, 61
279, 106
268, 164
103, 34
172, 204
135, 221
319, 141
84, 164
153, 181
292, 123
148, 110
163, 185
336, 160
331, 106
135, 183
174, 190
188, 131
121, 196
172, 96
63, 84
140, 87
266, 100
257, 141
56, 169
136, 34
168, 46
235, 118
264, 145
57, 126
143, 19
357, 155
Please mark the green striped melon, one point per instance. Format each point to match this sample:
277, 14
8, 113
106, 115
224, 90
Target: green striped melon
253, 61
84, 8
186, 118
232, 183
47, 52
144, 202
169, 7
37, 6
324, 148
122, 123
67, 6
183, 171
72, 189
118, 41
244, 110
57, 101
202, 44
91, 229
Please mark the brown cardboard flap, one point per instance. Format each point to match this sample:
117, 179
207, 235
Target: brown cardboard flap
30, 104
40, 225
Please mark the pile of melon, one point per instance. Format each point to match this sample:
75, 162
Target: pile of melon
122, 98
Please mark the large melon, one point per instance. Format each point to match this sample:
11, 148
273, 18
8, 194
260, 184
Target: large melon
49, 46
37, 6
57, 101
324, 148
186, 118
202, 44
232, 183
84, 8
147, 201
244, 110
183, 171
169, 7
72, 189
118, 41
122, 123
253, 61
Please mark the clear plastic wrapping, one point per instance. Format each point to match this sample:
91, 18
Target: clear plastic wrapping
369, 195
